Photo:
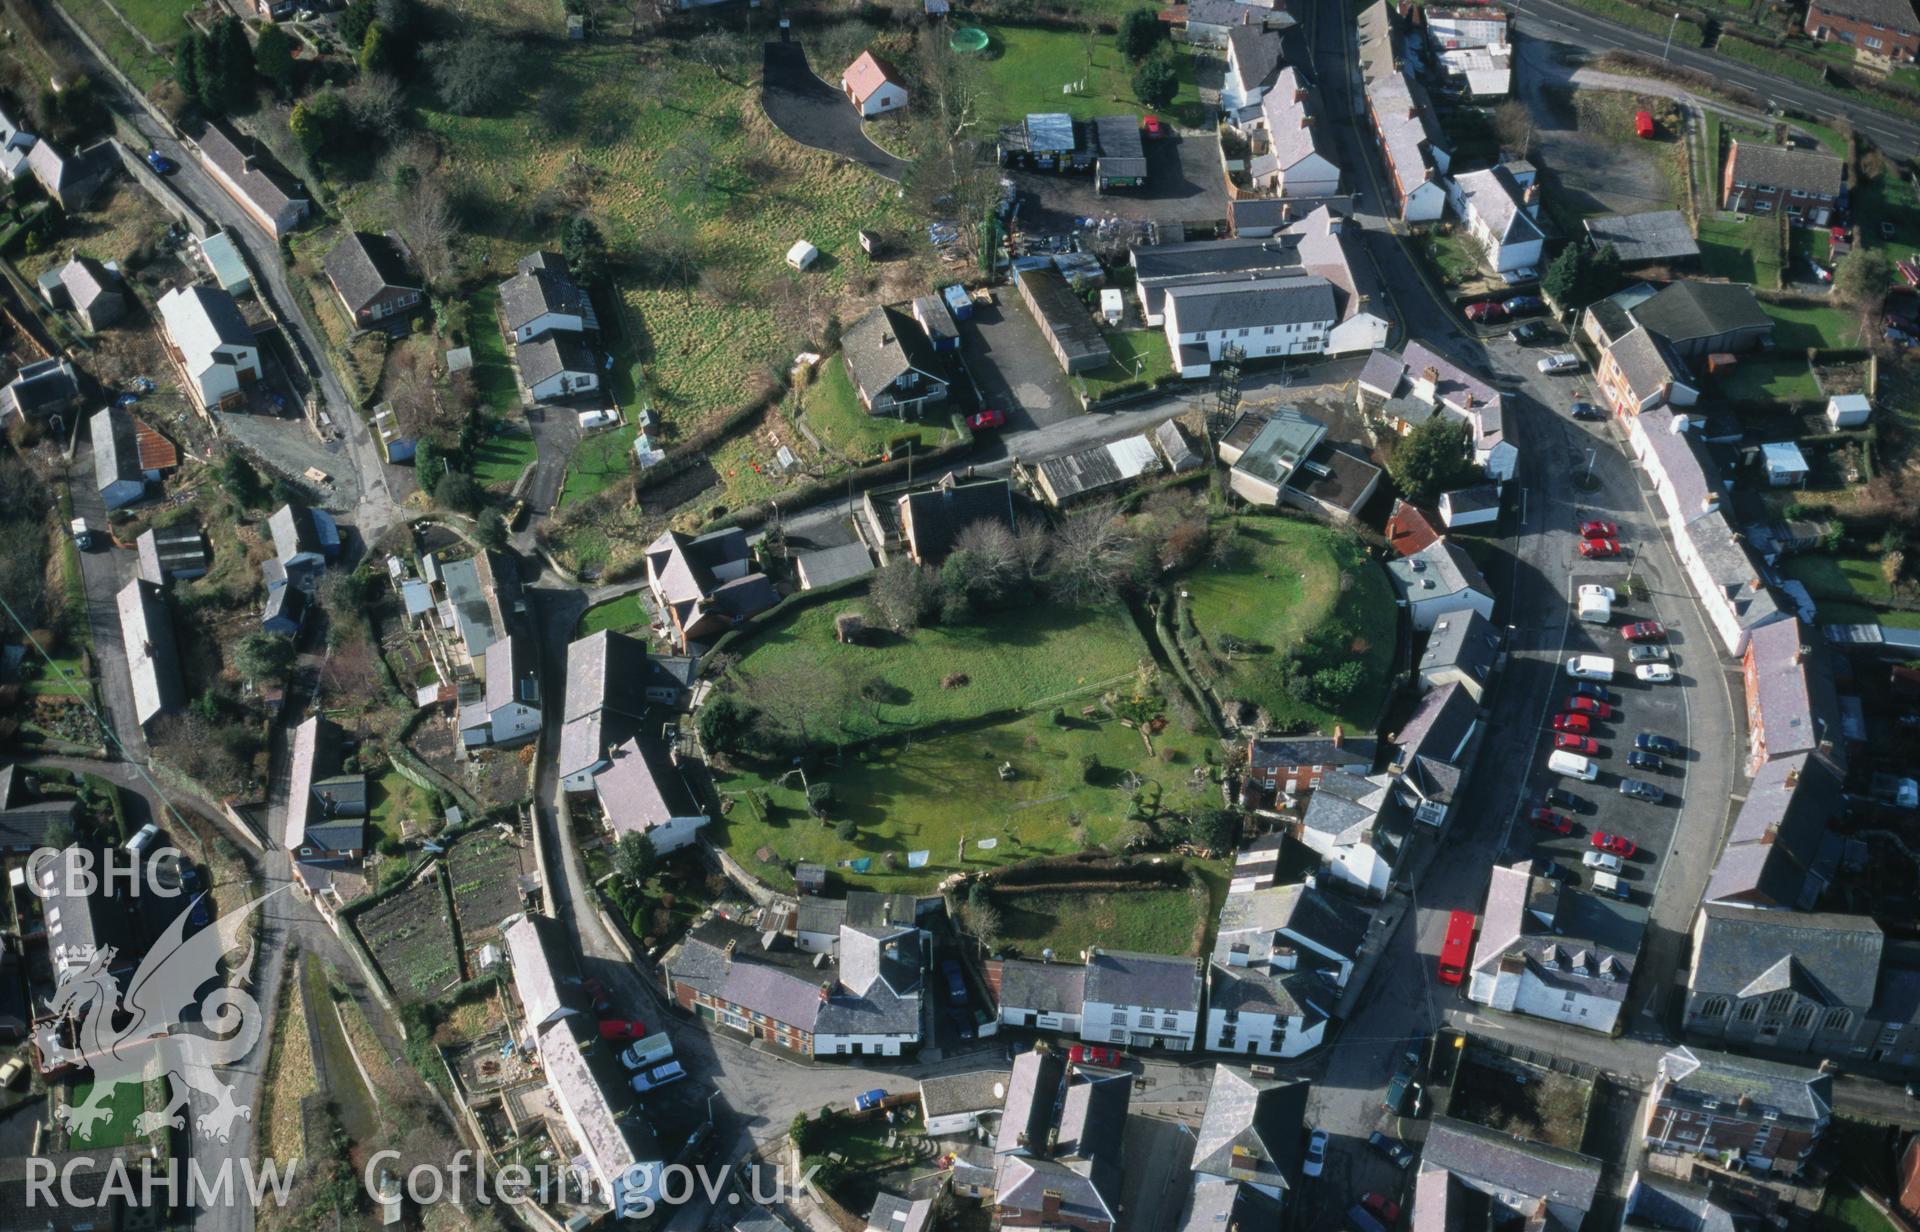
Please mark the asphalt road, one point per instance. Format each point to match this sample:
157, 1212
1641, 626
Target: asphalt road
1561, 23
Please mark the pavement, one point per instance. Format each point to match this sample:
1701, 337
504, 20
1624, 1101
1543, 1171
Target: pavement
811, 111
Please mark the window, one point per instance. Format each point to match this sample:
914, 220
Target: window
1266, 329
1875, 43
1714, 1007
1749, 1011
1837, 1020
1802, 1018
1243, 333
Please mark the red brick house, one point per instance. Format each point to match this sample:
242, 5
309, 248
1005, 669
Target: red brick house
1282, 766
1765, 179
1769, 1115
1878, 27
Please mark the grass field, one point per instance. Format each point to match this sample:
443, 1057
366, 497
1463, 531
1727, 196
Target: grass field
1844, 1210
1685, 33
933, 794
492, 372
832, 410
1012, 659
1764, 380
599, 461
1889, 198
1740, 248
502, 456
1842, 613
1138, 355
160, 20
60, 677
626, 614
126, 1102
1025, 69
1454, 261
1289, 581
1812, 325
1159, 921
121, 44
392, 801
1846, 578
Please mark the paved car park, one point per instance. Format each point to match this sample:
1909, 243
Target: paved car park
1013, 367
1185, 184
1637, 707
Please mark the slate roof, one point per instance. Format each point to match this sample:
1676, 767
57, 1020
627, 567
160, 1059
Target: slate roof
934, 517
1647, 361
1214, 1207
41, 384
86, 280
1285, 300
1495, 197
1043, 987
1697, 1075
1175, 447
1463, 640
298, 530
825, 566
1726, 560
246, 164
1252, 1130
1666, 1205
1154, 981
1029, 1105
1063, 315
199, 320
537, 948
1121, 150
1345, 800
884, 345
1797, 704
1654, 235
1292, 135
1253, 55
361, 266
605, 674
1087, 1193
1562, 1177
317, 793
1684, 311
1897, 14
1282, 752
1446, 564
27, 824
1779, 166
978, 1091
1833, 959
152, 656
552, 354
1093, 1116
1572, 942
116, 455
1777, 835
539, 288
1254, 922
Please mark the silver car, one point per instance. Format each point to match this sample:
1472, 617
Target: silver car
1559, 361
1645, 653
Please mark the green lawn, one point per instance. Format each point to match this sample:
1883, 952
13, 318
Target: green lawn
122, 46
1846, 578
1160, 921
1888, 198
502, 456
492, 372
622, 615
160, 20
1454, 261
1817, 325
1840, 612
832, 410
599, 462
1025, 69
1769, 380
126, 1102
392, 801
933, 794
1288, 582
1685, 33
1012, 659
1844, 1210
1139, 355
62, 677
1741, 248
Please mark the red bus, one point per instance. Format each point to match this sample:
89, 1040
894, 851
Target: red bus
1455, 948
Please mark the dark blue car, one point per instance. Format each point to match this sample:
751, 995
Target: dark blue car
956, 982
1666, 746
1587, 688
1524, 303
161, 164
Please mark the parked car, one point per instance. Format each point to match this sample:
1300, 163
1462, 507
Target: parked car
1486, 312
956, 981
161, 164
1550, 821
1640, 789
622, 1028
1639, 760
991, 417
1654, 673
602, 999
1560, 797
1584, 745
1529, 332
1521, 304
1645, 631
1599, 549
1604, 861
1588, 705
1154, 127
1392, 1148
1618, 844
1316, 1161
1579, 724
868, 1099
647, 1053
1598, 692
11, 1071
1552, 871
659, 1076
1395, 1096
1092, 1054
1382, 1206
962, 1019
1586, 410
1653, 742
1559, 361
1647, 652
1599, 530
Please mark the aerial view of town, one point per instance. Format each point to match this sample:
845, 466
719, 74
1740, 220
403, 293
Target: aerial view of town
946, 615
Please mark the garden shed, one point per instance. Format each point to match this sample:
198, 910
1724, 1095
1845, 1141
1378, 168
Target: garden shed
802, 255
1786, 467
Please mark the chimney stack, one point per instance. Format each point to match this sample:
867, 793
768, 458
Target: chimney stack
1339, 736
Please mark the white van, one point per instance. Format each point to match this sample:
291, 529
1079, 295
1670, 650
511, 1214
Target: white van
1572, 765
1605, 861
1590, 667
1609, 885
602, 418
643, 1054
1595, 604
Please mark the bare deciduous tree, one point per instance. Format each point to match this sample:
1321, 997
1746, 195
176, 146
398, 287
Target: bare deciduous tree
997, 551
1090, 555
1513, 125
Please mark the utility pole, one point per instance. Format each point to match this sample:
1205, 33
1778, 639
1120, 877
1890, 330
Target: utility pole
1671, 26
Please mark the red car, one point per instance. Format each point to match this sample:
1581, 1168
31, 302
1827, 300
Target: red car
1154, 127
1577, 744
1550, 821
1092, 1054
1486, 312
602, 999
1599, 530
1599, 549
1586, 705
1385, 1209
1619, 846
1645, 631
622, 1028
1577, 723
992, 417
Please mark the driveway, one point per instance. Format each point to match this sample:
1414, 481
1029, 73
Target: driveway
105, 570
1012, 365
813, 113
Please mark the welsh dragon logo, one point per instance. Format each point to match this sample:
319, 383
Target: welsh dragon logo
140, 1037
